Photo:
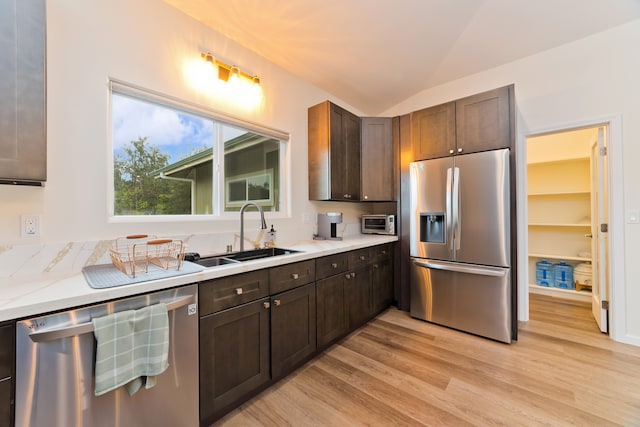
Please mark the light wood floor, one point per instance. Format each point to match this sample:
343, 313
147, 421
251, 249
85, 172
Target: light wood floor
399, 371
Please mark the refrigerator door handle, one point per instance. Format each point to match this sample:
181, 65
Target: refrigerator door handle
461, 268
456, 208
448, 215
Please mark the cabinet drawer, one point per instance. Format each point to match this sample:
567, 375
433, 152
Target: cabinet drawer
218, 294
381, 253
330, 265
6, 350
359, 257
291, 276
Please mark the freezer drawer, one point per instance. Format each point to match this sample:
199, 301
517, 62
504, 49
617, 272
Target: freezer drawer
475, 299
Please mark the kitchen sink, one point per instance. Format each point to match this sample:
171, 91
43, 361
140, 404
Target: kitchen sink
259, 253
215, 261
236, 257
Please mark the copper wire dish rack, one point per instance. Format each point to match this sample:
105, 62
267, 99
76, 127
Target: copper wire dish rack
134, 254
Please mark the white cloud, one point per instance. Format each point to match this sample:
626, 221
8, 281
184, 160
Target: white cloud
162, 126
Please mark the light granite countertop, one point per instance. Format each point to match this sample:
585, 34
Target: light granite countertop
48, 292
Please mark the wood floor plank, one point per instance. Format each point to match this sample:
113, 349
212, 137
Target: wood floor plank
397, 370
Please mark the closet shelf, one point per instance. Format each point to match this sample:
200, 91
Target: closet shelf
560, 257
560, 193
572, 225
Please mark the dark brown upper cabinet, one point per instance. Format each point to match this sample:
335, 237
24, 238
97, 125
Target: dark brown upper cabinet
23, 151
433, 131
479, 122
483, 121
377, 156
334, 153
350, 158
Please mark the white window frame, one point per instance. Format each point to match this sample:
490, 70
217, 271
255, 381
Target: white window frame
218, 200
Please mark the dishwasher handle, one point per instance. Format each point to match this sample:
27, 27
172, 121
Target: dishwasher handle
85, 328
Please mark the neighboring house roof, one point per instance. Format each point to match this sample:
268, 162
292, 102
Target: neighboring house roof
185, 165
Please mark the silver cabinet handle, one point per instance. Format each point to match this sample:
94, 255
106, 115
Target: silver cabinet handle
347, 276
588, 235
295, 276
362, 257
276, 302
450, 151
334, 265
238, 291
459, 150
266, 304
84, 328
353, 274
383, 252
375, 265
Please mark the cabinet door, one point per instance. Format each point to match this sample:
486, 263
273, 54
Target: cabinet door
358, 296
333, 153
7, 350
331, 312
234, 355
433, 131
5, 402
382, 285
293, 328
378, 159
23, 151
345, 154
483, 121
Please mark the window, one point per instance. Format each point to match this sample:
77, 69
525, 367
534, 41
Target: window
167, 158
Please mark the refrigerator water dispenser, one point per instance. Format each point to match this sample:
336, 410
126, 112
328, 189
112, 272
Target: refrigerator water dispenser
432, 227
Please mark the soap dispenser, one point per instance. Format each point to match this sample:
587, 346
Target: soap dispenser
271, 238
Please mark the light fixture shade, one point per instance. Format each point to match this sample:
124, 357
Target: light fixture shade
234, 75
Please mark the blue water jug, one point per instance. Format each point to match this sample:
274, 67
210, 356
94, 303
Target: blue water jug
563, 276
544, 273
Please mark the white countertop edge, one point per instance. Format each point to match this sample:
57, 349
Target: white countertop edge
45, 293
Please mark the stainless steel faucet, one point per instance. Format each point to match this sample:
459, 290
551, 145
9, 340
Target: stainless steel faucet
263, 223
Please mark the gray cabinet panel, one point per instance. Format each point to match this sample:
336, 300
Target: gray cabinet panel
23, 155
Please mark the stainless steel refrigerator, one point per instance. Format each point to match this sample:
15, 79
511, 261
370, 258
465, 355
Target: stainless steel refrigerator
460, 243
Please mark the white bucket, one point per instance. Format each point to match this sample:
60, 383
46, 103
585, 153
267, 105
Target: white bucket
582, 274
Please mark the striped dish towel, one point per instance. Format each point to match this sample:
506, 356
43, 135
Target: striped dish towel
132, 348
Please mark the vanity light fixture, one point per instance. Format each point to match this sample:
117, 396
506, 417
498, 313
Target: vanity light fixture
229, 73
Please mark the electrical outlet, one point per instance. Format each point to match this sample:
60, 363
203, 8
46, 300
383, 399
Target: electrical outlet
30, 225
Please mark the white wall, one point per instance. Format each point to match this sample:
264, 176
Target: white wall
580, 82
146, 43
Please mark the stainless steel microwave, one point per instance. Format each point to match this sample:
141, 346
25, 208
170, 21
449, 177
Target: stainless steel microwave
379, 224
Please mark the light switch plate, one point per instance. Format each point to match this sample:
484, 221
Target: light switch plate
633, 216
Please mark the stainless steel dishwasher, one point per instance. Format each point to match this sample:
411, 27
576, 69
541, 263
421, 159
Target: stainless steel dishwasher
55, 369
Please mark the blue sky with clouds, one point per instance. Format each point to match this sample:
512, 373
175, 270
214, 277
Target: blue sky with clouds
173, 132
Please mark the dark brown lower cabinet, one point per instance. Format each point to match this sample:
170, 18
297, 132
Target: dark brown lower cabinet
7, 350
5, 402
382, 285
234, 355
331, 313
358, 296
293, 328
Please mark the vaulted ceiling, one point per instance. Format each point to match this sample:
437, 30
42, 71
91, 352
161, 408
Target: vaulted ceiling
376, 53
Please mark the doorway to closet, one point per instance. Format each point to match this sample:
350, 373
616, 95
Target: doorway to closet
567, 210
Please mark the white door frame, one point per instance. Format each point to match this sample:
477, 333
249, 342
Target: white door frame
617, 298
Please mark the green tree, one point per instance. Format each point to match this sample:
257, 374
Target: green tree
136, 191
